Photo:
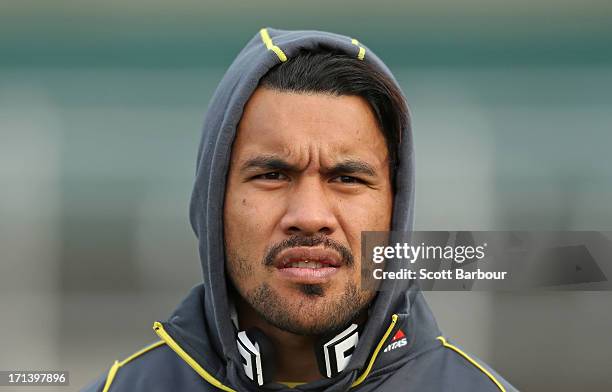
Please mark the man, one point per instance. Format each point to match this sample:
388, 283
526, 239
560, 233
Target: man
306, 144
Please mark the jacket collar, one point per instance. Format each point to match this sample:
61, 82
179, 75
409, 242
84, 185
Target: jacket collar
410, 331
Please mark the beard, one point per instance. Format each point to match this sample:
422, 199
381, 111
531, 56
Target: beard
309, 316
314, 312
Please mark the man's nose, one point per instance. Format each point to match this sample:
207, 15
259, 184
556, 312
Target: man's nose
309, 210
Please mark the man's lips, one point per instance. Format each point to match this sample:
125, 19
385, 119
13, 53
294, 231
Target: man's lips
308, 257
307, 265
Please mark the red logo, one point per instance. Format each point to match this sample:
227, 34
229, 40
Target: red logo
398, 335
399, 340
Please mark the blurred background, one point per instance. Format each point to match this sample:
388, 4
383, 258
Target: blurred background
101, 105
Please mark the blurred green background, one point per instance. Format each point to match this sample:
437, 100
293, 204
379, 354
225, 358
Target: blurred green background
101, 105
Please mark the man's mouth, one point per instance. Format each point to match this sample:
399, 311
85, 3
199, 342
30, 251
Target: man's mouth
305, 264
308, 265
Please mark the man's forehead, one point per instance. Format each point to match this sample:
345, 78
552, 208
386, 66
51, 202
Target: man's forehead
292, 125
288, 112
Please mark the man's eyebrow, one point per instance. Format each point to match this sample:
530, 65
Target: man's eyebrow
267, 162
352, 166
274, 163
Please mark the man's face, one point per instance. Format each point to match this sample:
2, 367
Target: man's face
308, 174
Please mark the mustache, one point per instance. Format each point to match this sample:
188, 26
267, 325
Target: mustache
316, 240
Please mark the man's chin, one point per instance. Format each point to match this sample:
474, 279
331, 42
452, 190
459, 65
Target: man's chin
310, 310
306, 322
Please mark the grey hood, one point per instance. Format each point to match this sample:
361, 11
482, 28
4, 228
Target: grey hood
265, 50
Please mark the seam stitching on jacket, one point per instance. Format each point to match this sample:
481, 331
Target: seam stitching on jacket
472, 361
161, 332
110, 377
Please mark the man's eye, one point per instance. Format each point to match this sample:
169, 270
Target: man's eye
348, 180
270, 176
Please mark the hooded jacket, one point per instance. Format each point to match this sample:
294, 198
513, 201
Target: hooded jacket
400, 347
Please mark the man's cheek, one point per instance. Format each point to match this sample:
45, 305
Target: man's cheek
240, 264
250, 215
